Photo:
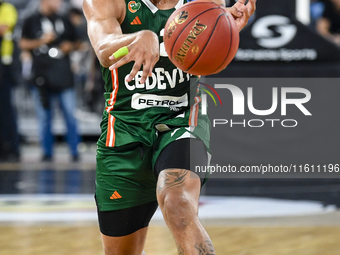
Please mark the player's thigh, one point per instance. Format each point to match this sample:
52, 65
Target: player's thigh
185, 153
124, 231
125, 196
174, 168
124, 177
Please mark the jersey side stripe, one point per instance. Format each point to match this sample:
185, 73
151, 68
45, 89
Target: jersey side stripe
115, 85
108, 135
194, 112
111, 136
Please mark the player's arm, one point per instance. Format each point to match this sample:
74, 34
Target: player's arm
104, 19
240, 11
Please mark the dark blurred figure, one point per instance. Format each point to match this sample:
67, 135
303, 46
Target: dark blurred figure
94, 88
78, 20
50, 38
329, 24
82, 58
9, 137
316, 10
86, 67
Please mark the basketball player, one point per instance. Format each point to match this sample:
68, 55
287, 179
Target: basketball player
151, 115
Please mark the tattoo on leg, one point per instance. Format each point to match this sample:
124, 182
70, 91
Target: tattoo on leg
180, 250
171, 179
205, 248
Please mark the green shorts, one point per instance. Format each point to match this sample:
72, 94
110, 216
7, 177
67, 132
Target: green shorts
125, 175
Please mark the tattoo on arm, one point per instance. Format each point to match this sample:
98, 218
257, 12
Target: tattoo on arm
205, 248
171, 179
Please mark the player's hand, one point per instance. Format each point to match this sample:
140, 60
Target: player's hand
242, 12
144, 50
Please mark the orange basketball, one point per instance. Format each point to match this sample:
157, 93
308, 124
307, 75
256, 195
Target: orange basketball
201, 38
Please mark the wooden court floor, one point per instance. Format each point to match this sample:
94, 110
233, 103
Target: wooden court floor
233, 240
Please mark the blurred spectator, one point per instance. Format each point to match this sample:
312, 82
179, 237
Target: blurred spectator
316, 9
82, 58
78, 20
77, 4
86, 66
94, 88
50, 37
9, 137
329, 24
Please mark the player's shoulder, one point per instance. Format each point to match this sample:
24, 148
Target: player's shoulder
121, 7
103, 9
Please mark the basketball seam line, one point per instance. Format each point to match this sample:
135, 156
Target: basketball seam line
206, 43
172, 50
231, 41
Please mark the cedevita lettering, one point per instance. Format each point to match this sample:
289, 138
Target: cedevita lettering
161, 79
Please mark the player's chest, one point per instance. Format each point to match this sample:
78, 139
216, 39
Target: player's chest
142, 18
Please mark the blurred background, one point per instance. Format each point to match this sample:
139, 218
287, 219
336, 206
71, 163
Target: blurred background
47, 172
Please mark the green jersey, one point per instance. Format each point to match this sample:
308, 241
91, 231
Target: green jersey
136, 112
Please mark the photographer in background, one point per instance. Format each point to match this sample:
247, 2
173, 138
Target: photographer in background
329, 24
50, 37
9, 137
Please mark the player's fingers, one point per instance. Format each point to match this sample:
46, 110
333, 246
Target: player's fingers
251, 6
120, 63
147, 70
148, 66
241, 2
151, 66
247, 14
136, 67
122, 53
235, 12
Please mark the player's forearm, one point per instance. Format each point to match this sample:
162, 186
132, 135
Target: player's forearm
108, 44
103, 22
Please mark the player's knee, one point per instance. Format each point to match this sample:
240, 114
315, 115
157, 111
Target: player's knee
108, 250
112, 251
178, 211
